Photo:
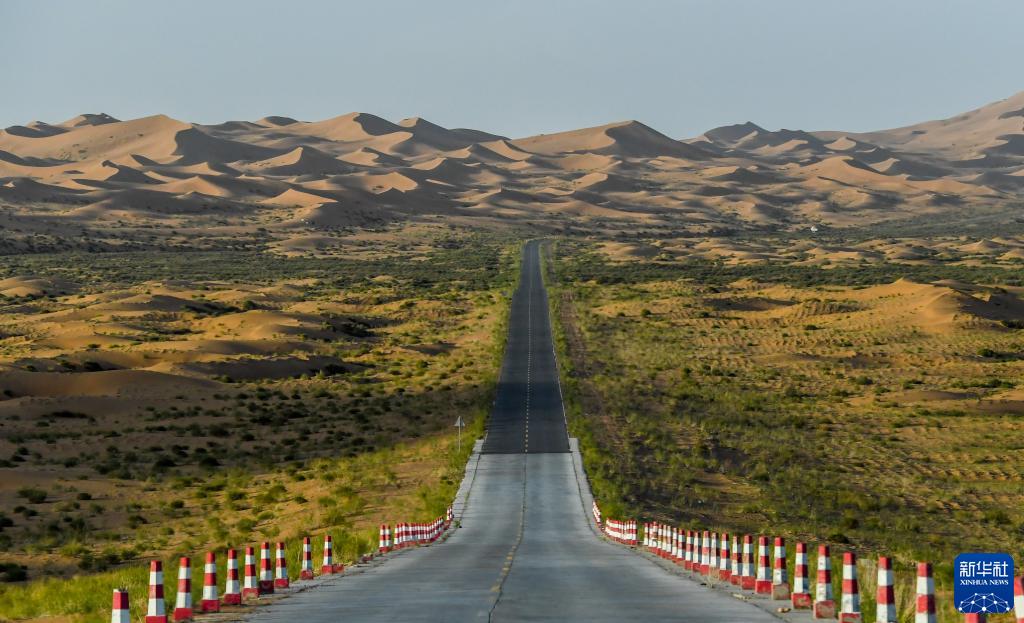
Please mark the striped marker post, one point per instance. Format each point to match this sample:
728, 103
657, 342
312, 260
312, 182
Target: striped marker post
119, 610
1018, 599
763, 579
824, 605
385, 540
306, 566
780, 577
801, 596
232, 595
183, 601
281, 568
210, 602
734, 576
925, 594
747, 579
885, 611
266, 583
705, 552
250, 586
688, 550
713, 555
725, 560
849, 607
328, 567
155, 609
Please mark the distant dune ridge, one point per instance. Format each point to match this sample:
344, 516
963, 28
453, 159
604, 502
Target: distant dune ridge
736, 176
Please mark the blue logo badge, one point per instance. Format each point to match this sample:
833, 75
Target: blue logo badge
983, 583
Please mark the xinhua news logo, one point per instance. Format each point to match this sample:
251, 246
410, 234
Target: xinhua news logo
983, 583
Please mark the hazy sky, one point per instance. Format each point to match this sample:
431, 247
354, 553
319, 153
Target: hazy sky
514, 67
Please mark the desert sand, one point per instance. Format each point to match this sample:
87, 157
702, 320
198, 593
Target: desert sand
96, 175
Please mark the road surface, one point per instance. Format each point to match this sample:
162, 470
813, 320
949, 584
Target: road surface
526, 550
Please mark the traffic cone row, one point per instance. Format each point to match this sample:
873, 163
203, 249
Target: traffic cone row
268, 577
624, 532
251, 585
409, 534
731, 559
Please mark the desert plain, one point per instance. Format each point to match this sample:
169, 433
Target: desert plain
217, 334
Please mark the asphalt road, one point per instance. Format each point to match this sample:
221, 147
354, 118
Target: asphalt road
527, 414
525, 550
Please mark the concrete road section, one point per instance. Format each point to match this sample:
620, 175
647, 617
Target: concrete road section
526, 549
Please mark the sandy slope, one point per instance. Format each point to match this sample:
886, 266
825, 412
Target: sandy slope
160, 171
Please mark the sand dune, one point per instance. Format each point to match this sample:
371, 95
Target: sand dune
627, 138
300, 161
339, 170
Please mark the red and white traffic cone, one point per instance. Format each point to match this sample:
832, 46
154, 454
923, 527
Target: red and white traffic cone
885, 599
780, 577
824, 604
747, 578
281, 577
183, 602
266, 582
849, 607
725, 560
705, 552
210, 602
925, 594
1018, 599
328, 567
119, 611
449, 517
801, 596
232, 592
156, 609
384, 545
763, 580
306, 566
713, 555
687, 550
734, 577
250, 585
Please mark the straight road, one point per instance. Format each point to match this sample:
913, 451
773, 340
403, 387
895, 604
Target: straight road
525, 551
527, 414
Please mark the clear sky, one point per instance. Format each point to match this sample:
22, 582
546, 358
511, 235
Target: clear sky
514, 67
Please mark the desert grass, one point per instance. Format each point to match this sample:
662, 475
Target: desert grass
883, 419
